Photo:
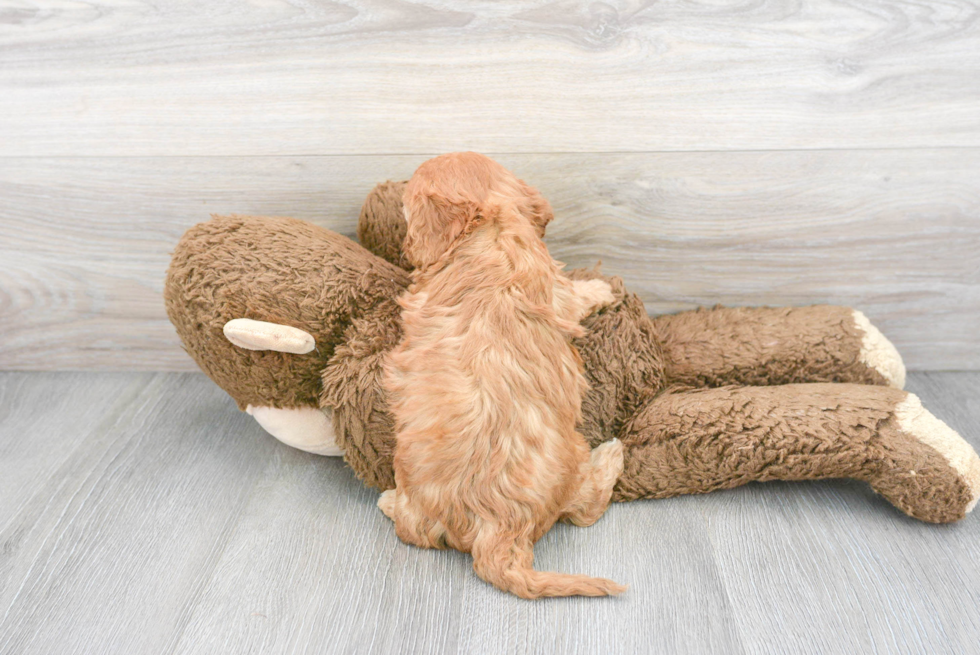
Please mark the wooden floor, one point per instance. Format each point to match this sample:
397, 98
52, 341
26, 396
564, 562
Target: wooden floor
142, 513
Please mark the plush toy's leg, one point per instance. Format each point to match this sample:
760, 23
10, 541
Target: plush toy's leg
603, 469
763, 346
706, 439
305, 428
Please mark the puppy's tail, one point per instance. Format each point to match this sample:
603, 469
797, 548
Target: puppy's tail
505, 561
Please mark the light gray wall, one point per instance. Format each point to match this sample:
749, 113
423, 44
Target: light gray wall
741, 153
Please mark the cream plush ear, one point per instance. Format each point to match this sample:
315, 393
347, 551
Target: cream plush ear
260, 335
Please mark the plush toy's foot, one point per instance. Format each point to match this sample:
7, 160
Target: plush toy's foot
878, 353
706, 439
305, 428
903, 479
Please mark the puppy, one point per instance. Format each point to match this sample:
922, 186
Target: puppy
485, 385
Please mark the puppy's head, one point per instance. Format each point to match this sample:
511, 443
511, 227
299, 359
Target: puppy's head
451, 194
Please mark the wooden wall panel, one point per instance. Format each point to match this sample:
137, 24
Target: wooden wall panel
292, 77
84, 242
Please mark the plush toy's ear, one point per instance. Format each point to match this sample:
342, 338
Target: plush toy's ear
538, 210
433, 224
261, 335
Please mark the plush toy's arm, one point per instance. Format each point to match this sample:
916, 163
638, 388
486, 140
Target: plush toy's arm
706, 439
761, 346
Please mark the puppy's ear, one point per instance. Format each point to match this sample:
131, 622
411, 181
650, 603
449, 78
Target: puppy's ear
538, 210
433, 225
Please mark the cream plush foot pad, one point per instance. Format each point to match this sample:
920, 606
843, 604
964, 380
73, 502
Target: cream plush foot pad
877, 352
916, 421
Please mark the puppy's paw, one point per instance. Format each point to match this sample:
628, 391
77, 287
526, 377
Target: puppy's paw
387, 503
608, 458
595, 293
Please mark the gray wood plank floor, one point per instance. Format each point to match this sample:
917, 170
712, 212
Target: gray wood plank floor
142, 513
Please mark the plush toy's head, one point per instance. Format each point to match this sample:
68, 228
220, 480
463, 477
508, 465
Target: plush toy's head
276, 270
451, 194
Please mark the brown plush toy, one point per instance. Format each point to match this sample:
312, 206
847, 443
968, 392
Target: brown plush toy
294, 322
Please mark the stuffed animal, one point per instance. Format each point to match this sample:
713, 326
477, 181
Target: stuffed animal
294, 322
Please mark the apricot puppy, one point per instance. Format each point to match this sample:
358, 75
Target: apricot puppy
485, 385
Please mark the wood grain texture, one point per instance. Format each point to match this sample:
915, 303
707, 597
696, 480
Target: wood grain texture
36, 446
291, 77
147, 515
105, 554
86, 242
861, 576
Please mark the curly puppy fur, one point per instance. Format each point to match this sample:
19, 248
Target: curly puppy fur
485, 385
